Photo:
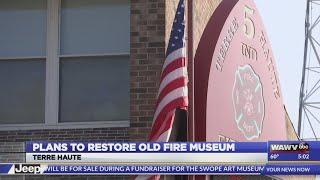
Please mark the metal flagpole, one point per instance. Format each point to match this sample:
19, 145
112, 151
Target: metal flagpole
190, 73
190, 70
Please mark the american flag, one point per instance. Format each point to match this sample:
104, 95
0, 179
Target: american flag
173, 90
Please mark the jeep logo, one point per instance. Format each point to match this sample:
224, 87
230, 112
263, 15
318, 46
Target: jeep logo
27, 168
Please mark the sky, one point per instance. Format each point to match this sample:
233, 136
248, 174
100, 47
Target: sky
284, 22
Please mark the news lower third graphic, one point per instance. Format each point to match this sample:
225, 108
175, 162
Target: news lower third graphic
267, 169
175, 158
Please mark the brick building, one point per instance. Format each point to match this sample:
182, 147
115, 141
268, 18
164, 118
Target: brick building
137, 41
64, 52
58, 57
64, 43
60, 41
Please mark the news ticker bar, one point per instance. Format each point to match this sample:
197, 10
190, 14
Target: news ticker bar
48, 169
157, 153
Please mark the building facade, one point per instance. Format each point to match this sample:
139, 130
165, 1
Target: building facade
83, 70
66, 50
78, 47
78, 70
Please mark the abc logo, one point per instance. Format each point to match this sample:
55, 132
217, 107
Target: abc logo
27, 168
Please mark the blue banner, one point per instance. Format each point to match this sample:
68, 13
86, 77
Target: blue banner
145, 147
275, 150
154, 169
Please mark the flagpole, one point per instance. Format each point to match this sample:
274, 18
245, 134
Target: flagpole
190, 70
190, 123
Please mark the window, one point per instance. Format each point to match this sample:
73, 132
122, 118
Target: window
93, 90
23, 28
22, 61
94, 73
64, 63
95, 27
22, 91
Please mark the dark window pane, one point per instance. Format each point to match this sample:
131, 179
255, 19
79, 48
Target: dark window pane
94, 89
22, 91
95, 26
22, 28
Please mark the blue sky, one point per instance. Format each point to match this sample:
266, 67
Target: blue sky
284, 22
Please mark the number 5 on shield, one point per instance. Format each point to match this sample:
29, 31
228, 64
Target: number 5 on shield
248, 28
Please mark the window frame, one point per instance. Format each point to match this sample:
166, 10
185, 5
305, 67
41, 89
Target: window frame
52, 89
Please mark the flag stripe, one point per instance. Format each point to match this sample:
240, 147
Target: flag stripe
173, 56
164, 137
179, 92
172, 105
180, 72
180, 82
177, 63
164, 127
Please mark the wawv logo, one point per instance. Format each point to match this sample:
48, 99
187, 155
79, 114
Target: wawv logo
295, 147
27, 168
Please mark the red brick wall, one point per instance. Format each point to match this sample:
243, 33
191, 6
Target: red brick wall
147, 56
